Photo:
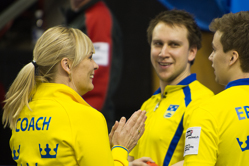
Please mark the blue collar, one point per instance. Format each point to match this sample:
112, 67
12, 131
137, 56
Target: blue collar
243, 81
188, 79
185, 81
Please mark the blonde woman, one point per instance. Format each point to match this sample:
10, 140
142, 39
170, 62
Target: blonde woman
50, 121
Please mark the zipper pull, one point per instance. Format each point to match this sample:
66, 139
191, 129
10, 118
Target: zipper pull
156, 106
163, 96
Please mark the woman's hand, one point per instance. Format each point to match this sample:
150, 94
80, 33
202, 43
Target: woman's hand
114, 127
127, 134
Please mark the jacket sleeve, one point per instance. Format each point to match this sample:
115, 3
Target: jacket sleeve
91, 141
201, 140
120, 156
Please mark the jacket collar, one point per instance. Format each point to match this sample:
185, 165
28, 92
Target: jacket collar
189, 79
243, 81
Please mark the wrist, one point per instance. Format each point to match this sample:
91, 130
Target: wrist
120, 146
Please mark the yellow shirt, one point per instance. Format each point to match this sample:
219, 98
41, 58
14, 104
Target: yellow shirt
163, 140
218, 132
62, 129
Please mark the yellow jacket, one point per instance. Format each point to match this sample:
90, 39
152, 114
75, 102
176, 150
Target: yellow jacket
62, 129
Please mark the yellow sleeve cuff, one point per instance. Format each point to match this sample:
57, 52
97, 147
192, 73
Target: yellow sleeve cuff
120, 155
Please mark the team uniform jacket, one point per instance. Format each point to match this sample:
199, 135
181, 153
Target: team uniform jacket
218, 132
98, 23
62, 129
163, 139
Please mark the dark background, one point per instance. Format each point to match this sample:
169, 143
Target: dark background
136, 84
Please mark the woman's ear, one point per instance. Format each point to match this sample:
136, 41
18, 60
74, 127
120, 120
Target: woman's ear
66, 65
234, 56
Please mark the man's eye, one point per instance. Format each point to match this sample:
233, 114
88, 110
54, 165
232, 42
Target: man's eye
157, 43
174, 44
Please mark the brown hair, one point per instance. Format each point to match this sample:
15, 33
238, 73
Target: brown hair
178, 17
235, 35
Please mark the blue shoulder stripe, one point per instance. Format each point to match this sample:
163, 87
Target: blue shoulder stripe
179, 130
187, 94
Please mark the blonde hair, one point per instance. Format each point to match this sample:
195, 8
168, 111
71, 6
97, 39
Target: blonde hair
56, 43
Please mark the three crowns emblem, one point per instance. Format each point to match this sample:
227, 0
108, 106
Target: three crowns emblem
15, 156
16, 153
47, 149
241, 143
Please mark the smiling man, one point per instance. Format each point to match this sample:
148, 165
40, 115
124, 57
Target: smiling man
174, 38
220, 125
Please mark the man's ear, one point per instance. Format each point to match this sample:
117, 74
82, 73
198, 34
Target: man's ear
66, 65
192, 53
234, 57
